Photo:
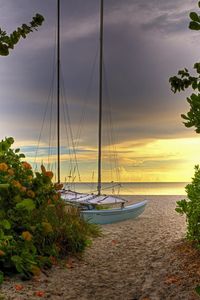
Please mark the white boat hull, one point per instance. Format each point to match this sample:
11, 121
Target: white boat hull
108, 216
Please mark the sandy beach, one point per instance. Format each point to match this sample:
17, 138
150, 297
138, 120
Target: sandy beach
138, 259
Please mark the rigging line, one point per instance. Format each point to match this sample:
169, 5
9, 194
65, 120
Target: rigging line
69, 124
109, 131
112, 136
67, 136
85, 101
50, 132
47, 102
66, 120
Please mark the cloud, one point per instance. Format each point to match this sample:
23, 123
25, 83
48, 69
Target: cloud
145, 43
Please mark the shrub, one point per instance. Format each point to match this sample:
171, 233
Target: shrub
191, 207
36, 226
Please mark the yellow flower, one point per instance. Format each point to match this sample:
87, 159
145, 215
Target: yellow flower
11, 172
3, 167
27, 236
35, 270
47, 227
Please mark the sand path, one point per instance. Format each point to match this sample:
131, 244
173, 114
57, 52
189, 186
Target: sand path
133, 260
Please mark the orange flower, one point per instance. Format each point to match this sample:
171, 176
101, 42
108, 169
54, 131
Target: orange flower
56, 197
53, 260
49, 174
2, 253
58, 186
17, 184
26, 165
39, 293
27, 236
69, 263
18, 287
30, 194
23, 189
11, 172
3, 167
49, 201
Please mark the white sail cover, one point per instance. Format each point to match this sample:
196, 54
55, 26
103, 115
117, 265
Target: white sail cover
71, 196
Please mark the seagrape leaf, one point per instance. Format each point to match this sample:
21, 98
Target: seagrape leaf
5, 224
194, 25
17, 260
194, 17
4, 186
27, 204
197, 289
4, 49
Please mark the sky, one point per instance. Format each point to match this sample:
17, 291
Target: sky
145, 42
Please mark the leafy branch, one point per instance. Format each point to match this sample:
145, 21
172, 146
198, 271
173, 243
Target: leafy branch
184, 80
8, 42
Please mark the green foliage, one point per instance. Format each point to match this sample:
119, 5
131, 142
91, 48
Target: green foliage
8, 42
191, 207
36, 226
197, 289
184, 80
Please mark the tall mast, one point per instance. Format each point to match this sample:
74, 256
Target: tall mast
100, 97
58, 88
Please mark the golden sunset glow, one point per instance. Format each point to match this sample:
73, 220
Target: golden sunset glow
162, 160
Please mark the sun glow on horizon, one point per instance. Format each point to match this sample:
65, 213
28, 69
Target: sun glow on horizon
158, 160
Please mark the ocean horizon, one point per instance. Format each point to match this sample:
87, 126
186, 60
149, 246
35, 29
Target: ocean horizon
131, 188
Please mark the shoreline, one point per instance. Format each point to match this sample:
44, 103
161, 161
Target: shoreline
133, 260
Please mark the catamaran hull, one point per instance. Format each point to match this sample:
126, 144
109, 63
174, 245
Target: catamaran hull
109, 216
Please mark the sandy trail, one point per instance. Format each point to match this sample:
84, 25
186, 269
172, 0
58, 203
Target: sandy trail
133, 260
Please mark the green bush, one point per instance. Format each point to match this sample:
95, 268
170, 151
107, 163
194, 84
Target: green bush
191, 207
36, 226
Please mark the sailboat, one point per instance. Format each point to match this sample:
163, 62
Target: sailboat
88, 203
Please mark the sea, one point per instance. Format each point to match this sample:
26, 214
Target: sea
132, 188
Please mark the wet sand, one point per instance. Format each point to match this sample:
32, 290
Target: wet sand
133, 260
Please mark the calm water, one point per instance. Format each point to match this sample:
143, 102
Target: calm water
134, 188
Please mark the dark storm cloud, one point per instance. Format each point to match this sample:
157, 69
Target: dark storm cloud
140, 53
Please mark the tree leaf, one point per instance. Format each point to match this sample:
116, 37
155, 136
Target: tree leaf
197, 289
194, 17
27, 204
4, 50
6, 224
194, 26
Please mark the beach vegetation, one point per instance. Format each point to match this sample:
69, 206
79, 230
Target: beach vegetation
191, 208
182, 81
37, 228
8, 42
